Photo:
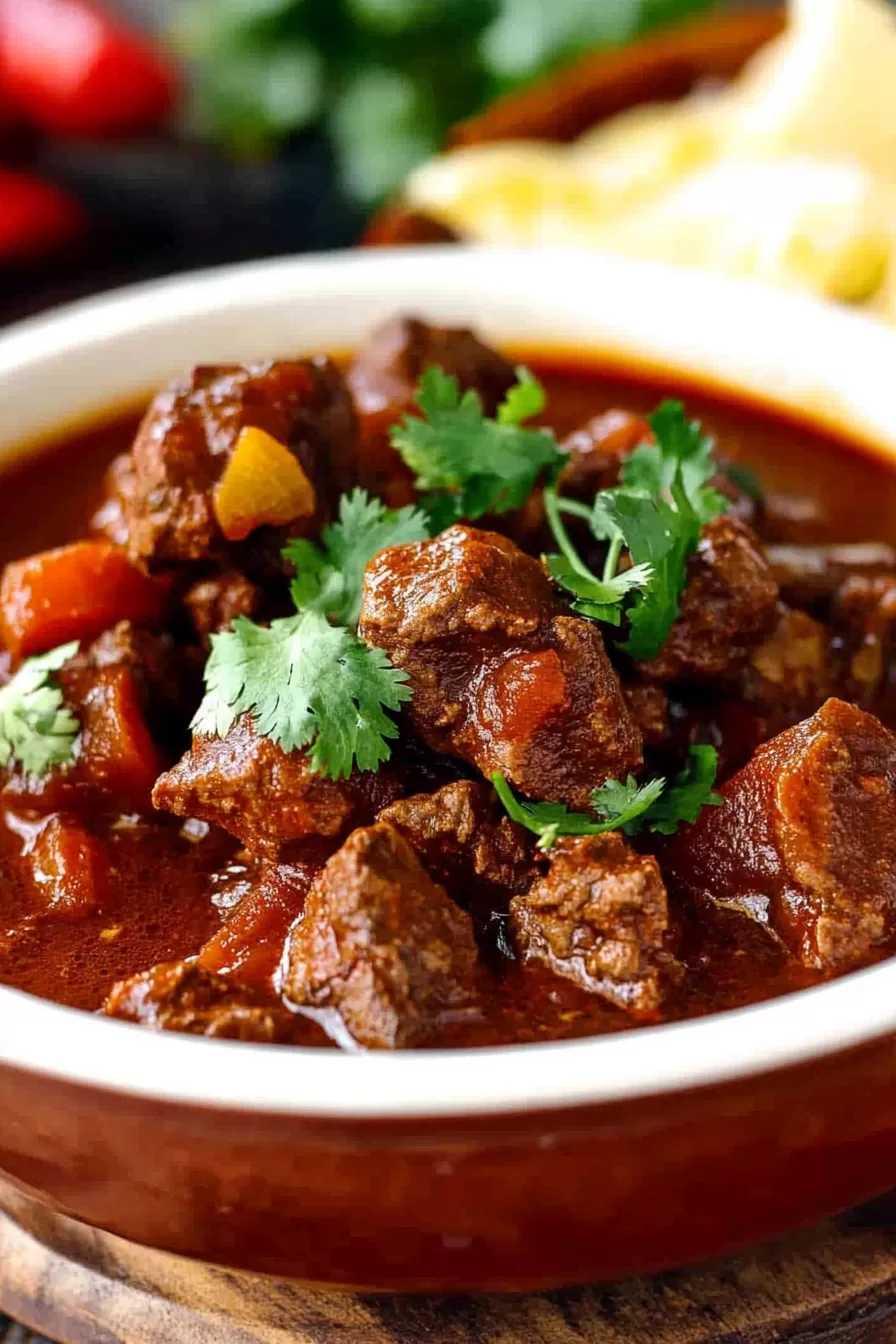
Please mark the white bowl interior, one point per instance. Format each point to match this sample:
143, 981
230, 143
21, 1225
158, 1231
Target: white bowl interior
831, 366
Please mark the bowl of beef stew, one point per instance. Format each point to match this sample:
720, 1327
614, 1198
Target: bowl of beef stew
448, 772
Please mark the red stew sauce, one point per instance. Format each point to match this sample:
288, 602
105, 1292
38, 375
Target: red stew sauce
246, 897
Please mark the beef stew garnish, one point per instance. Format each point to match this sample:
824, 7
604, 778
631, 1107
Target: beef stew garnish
441, 703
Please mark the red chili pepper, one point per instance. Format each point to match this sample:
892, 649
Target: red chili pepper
74, 71
35, 217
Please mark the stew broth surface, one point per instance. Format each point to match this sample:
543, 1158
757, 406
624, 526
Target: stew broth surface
169, 881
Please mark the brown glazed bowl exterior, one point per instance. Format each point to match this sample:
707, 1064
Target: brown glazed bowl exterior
520, 1201
520, 1167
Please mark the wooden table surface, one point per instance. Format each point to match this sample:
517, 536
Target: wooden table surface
834, 1284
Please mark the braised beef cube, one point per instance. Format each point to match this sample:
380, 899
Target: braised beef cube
600, 918
728, 606
181, 996
188, 436
810, 576
464, 838
467, 842
597, 451
789, 674
265, 796
792, 520
649, 707
248, 947
117, 759
69, 869
501, 678
864, 621
382, 944
214, 603
111, 518
384, 379
805, 840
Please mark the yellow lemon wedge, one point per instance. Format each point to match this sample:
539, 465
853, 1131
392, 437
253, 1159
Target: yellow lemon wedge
263, 483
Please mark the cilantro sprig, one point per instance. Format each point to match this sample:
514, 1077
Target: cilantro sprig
308, 681
305, 683
329, 576
622, 806
37, 731
467, 464
656, 514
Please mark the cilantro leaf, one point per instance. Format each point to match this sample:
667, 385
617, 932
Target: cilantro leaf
485, 466
526, 399
660, 536
681, 451
329, 576
305, 683
36, 730
599, 599
619, 804
690, 792
625, 807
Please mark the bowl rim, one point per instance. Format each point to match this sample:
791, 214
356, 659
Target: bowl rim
787, 350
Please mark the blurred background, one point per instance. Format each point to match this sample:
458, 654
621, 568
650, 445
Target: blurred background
141, 137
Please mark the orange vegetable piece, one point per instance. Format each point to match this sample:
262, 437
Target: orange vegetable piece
73, 592
249, 945
263, 483
69, 869
119, 758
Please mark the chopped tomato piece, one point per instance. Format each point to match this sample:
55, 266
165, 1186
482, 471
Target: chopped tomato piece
74, 71
35, 216
263, 483
74, 592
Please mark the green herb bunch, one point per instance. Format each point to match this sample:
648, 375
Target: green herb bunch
385, 78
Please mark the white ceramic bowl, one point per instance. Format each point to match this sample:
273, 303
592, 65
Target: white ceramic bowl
836, 369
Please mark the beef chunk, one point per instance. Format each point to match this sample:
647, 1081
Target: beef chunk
809, 576
597, 451
180, 996
215, 602
728, 606
500, 677
864, 620
789, 674
188, 435
792, 520
649, 707
384, 378
599, 917
463, 838
382, 944
806, 839
265, 796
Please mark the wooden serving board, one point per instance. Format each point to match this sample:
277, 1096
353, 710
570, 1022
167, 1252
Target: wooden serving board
835, 1284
